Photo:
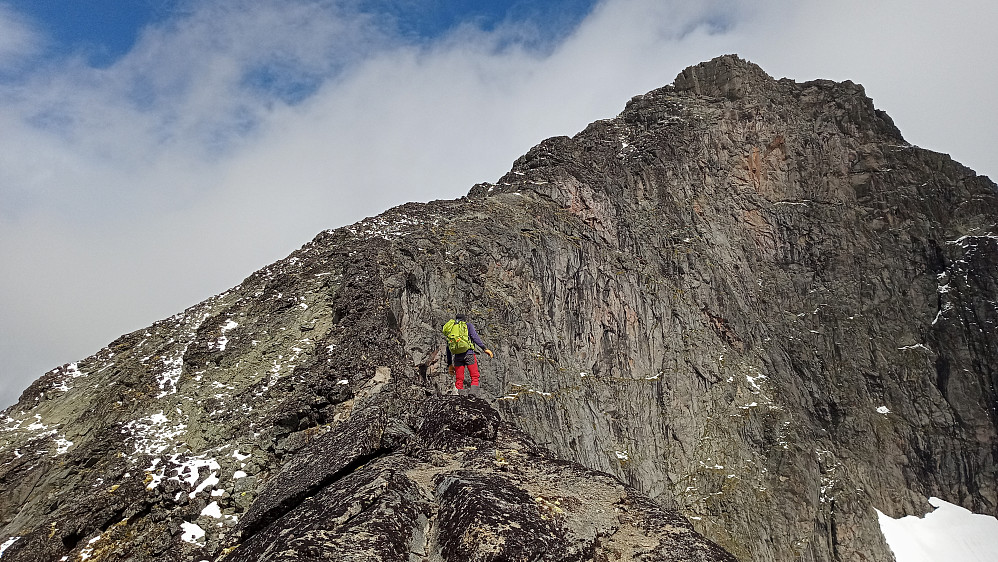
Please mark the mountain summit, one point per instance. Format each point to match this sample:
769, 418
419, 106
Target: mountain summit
731, 322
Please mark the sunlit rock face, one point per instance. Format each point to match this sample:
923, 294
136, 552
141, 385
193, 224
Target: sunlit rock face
736, 319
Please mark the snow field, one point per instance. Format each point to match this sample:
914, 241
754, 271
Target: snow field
950, 533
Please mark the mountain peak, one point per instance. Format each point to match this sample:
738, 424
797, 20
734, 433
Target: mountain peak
725, 76
722, 328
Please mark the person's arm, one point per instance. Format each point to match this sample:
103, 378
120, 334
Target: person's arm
473, 334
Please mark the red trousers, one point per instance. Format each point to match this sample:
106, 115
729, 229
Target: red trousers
473, 369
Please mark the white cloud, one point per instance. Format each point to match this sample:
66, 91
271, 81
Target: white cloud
18, 39
130, 192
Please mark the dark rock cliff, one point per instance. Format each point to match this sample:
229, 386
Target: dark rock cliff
743, 309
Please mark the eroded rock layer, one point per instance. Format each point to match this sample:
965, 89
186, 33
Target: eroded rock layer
749, 300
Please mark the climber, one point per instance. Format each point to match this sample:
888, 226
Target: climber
462, 337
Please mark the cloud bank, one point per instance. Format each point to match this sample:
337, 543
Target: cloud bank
230, 135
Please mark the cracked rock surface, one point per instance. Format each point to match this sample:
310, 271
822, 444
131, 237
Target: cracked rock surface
460, 485
729, 323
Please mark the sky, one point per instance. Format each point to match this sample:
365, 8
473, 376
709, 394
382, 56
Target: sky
156, 152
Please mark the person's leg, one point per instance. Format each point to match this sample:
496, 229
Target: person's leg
459, 382
474, 372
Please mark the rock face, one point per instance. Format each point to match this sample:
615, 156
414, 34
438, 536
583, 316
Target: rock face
743, 309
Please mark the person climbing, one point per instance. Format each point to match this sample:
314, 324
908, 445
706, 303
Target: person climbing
462, 337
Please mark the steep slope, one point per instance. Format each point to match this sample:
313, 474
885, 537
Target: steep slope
779, 312
751, 300
283, 420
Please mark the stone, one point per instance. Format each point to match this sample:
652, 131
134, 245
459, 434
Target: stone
728, 323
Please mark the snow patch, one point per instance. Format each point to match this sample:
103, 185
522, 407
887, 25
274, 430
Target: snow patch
751, 380
964, 241
883, 410
154, 481
946, 307
212, 510
88, 550
172, 368
209, 482
381, 227
7, 544
518, 390
155, 477
152, 435
62, 446
11, 424
37, 425
71, 371
950, 532
192, 533
187, 470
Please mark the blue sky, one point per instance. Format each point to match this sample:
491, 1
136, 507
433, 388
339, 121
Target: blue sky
102, 31
154, 152
433, 18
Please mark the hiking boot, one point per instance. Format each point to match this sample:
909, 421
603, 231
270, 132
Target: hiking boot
476, 390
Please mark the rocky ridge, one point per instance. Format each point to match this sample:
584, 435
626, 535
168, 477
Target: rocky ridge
749, 300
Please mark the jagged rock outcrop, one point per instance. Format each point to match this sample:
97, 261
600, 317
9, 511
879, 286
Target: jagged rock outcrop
465, 487
748, 299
